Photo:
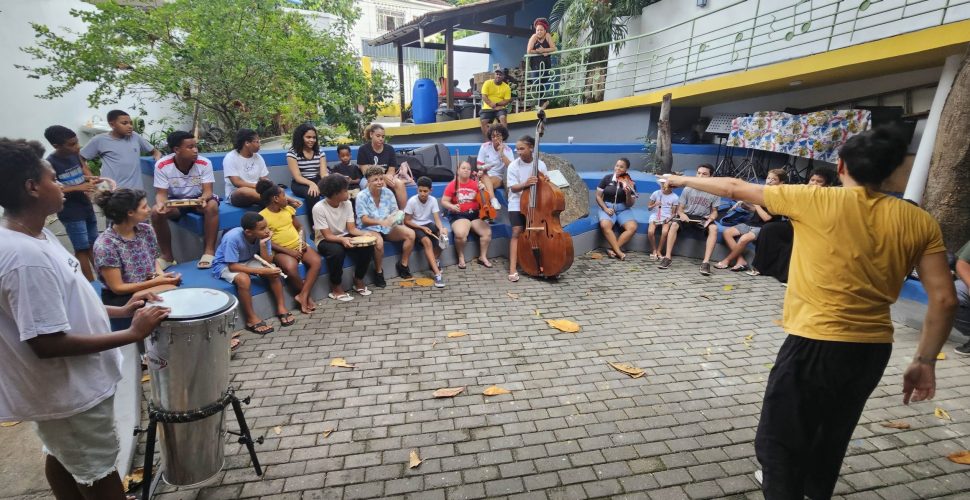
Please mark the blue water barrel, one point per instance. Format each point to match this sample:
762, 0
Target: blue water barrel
425, 101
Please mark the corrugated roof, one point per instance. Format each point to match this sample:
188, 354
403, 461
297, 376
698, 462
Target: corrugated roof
476, 12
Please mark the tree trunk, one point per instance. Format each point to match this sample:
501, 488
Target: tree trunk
947, 194
664, 153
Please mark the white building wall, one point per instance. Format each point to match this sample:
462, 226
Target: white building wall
26, 116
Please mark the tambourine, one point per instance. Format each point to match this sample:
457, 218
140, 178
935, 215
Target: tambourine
363, 241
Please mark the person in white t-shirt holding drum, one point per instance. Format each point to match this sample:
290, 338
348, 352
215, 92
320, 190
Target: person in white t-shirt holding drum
336, 226
493, 158
422, 214
59, 361
184, 175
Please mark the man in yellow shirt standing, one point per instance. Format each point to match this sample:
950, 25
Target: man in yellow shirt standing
853, 249
496, 94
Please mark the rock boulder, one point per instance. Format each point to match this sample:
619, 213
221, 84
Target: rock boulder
577, 195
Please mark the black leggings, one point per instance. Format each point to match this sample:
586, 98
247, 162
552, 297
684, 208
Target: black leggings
334, 253
308, 201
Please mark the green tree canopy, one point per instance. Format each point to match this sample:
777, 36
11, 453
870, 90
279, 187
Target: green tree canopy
239, 63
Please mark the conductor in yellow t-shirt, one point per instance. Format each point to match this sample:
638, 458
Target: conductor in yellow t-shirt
852, 251
496, 94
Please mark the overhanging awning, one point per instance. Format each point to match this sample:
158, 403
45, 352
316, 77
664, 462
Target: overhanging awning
468, 17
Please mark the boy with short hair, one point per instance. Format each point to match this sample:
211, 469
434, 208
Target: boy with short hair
120, 151
235, 261
347, 169
76, 180
377, 211
58, 359
663, 203
423, 215
696, 212
184, 175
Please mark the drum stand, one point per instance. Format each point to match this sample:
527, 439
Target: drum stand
156, 416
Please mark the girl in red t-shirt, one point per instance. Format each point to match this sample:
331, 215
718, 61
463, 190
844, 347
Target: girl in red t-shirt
462, 207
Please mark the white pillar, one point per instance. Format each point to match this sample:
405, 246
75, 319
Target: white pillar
921, 164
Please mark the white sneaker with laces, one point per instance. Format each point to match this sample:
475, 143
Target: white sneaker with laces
439, 282
759, 476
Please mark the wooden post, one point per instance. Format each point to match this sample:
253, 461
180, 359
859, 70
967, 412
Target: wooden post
664, 154
400, 76
450, 62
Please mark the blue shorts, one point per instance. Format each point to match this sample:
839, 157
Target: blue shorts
82, 233
622, 214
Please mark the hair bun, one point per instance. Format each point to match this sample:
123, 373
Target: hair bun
264, 184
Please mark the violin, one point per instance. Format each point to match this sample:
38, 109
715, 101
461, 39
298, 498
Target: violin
486, 211
545, 249
625, 182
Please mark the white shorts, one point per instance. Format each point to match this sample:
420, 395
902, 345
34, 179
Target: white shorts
230, 276
86, 444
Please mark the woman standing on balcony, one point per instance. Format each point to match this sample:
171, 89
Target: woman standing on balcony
307, 166
540, 46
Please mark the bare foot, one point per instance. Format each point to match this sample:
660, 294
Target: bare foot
611, 253
621, 256
306, 306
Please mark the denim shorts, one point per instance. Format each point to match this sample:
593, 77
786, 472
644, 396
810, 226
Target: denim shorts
82, 233
744, 229
86, 444
621, 215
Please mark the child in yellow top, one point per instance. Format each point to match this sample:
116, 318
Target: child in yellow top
288, 248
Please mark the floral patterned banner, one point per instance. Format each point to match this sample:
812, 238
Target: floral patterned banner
817, 135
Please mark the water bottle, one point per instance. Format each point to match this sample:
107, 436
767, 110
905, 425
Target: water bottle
443, 241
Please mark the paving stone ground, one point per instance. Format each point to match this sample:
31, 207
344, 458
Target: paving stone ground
572, 427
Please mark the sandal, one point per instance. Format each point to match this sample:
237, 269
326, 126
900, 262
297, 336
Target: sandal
721, 266
489, 265
363, 291
260, 328
753, 272
284, 317
462, 265
742, 267
234, 345
344, 297
165, 264
514, 277
205, 262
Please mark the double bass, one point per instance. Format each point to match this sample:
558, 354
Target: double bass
545, 250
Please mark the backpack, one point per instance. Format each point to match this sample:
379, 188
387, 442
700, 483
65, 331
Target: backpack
440, 174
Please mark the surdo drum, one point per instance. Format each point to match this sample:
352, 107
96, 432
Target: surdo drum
188, 358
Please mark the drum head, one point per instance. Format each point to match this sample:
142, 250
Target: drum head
195, 303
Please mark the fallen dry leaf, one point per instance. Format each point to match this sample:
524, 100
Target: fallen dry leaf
133, 480
407, 284
495, 391
340, 362
769, 365
777, 322
452, 335
749, 337
145, 378
448, 392
538, 313
8, 424
628, 369
707, 353
564, 325
278, 430
941, 414
595, 255
434, 343
941, 355
424, 282
513, 296
414, 461
960, 457
328, 432
707, 297
893, 424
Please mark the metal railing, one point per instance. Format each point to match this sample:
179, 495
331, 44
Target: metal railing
734, 41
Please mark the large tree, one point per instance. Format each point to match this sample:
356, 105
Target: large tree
947, 194
238, 63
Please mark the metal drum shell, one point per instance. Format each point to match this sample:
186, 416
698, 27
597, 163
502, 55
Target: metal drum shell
188, 361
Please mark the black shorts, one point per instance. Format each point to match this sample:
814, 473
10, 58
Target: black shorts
516, 219
462, 216
489, 115
693, 226
420, 235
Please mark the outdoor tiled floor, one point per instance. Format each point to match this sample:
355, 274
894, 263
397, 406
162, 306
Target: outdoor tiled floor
572, 427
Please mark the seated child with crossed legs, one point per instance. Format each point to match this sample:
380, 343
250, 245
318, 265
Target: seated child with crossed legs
663, 202
289, 246
423, 215
238, 259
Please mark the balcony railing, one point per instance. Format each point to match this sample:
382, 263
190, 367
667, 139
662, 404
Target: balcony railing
732, 38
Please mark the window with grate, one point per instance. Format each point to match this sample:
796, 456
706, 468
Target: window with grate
389, 20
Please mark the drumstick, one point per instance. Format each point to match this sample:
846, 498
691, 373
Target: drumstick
302, 241
267, 264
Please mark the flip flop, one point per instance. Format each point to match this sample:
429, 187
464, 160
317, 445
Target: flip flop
721, 266
234, 345
742, 267
363, 291
753, 272
462, 266
260, 328
283, 319
514, 277
344, 297
165, 264
488, 266
205, 262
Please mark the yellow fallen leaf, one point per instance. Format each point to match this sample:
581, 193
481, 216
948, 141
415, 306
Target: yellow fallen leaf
707, 353
340, 363
407, 284
595, 255
278, 430
414, 461
328, 432
777, 322
434, 343
453, 335
8, 424
769, 365
448, 392
941, 414
133, 480
424, 282
941, 355
145, 378
728, 288
892, 424
960, 457
495, 391
749, 337
564, 325
538, 313
513, 296
628, 369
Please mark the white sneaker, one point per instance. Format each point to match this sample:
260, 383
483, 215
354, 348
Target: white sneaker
495, 204
439, 282
759, 476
